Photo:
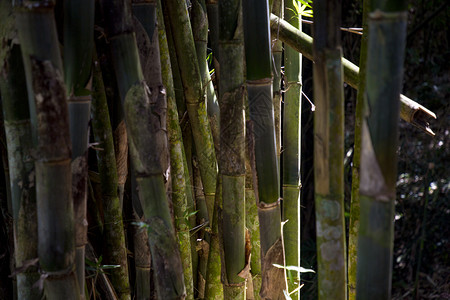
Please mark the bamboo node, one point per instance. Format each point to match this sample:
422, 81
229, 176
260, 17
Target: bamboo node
269, 206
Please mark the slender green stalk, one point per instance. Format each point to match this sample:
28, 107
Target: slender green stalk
214, 288
196, 106
181, 189
78, 49
292, 151
262, 144
277, 54
355, 203
200, 33
385, 55
114, 235
329, 151
47, 98
232, 147
145, 114
195, 98
410, 111
21, 168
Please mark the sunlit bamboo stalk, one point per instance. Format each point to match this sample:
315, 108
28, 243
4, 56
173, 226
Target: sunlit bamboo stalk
384, 73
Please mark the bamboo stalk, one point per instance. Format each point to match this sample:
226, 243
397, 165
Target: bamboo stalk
386, 46
78, 48
114, 235
329, 151
195, 98
262, 144
355, 202
21, 169
179, 195
145, 114
292, 152
232, 147
200, 34
47, 99
410, 111
277, 54
252, 225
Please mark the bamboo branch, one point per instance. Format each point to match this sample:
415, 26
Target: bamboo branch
410, 111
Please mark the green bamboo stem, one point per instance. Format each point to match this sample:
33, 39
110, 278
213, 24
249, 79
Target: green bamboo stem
329, 151
386, 45
47, 98
252, 225
213, 286
114, 235
21, 169
145, 114
355, 203
78, 49
292, 152
182, 208
200, 34
262, 144
232, 147
195, 98
410, 111
277, 53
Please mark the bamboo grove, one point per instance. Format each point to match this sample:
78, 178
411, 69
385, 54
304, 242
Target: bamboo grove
153, 147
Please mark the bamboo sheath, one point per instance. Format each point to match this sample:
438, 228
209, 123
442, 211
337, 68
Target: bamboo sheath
410, 111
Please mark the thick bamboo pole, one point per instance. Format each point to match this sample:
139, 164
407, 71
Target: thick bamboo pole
355, 203
232, 147
291, 152
410, 111
145, 114
329, 150
262, 144
47, 99
78, 49
21, 168
114, 235
385, 55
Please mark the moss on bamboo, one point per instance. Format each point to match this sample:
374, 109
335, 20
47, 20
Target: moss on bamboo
355, 203
182, 194
113, 223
